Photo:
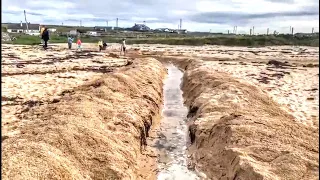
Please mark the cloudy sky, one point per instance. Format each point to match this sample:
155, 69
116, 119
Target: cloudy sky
196, 15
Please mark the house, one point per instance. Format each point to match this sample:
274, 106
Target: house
102, 28
181, 31
74, 32
34, 29
93, 33
140, 27
162, 30
52, 29
167, 30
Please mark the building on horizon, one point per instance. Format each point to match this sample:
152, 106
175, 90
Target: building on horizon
140, 27
168, 30
34, 29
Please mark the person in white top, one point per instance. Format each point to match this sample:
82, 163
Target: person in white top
123, 47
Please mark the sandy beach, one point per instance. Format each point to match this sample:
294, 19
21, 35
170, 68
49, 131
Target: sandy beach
30, 74
253, 112
77, 115
81, 114
293, 83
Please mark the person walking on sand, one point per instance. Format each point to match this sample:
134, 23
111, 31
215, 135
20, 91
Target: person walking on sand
123, 47
79, 43
70, 41
41, 32
100, 45
45, 37
104, 45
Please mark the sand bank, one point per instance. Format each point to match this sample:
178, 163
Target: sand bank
95, 128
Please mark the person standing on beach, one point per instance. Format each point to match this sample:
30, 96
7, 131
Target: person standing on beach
70, 41
104, 45
79, 43
100, 45
123, 47
45, 37
41, 31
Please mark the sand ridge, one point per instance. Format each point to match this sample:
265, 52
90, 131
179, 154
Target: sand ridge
94, 131
57, 102
30, 74
238, 132
253, 112
294, 85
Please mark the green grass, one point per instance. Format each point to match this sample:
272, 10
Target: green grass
233, 41
35, 40
195, 41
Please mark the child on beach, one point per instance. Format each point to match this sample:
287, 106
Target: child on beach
100, 45
123, 47
79, 43
70, 41
41, 31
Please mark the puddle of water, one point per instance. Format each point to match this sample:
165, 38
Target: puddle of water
173, 132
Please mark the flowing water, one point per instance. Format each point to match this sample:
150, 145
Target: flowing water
173, 132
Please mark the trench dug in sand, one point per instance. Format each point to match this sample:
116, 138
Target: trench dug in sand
172, 138
236, 130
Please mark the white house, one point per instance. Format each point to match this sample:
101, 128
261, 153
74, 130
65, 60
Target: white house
22, 28
181, 31
92, 33
52, 29
74, 32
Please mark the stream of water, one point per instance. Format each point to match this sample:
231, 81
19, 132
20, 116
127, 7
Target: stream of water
173, 132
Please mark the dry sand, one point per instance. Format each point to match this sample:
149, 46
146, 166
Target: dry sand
65, 117
238, 132
294, 85
31, 74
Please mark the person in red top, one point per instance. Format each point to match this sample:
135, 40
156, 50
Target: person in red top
79, 43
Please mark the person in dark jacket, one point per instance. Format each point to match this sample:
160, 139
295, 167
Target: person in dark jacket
45, 37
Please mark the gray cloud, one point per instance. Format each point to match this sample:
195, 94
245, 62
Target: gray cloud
282, 1
158, 11
162, 11
10, 12
241, 18
125, 9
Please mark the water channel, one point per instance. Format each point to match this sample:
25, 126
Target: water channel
173, 131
